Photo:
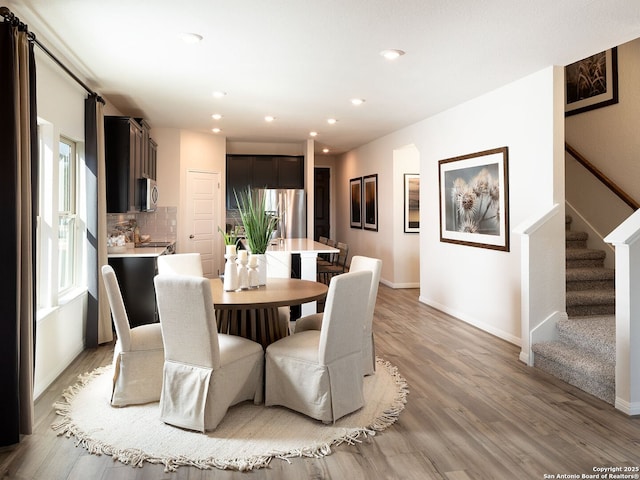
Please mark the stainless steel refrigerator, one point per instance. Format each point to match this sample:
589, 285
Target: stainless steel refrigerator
290, 206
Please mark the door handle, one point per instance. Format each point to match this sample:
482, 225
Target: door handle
192, 236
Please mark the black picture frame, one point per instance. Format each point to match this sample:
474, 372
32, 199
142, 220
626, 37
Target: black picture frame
355, 193
474, 199
370, 193
591, 82
411, 203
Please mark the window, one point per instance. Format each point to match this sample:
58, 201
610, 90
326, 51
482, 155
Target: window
67, 210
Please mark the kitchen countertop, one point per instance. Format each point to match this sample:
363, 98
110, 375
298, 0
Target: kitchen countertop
301, 245
139, 252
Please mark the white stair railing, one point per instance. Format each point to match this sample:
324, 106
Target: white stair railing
542, 278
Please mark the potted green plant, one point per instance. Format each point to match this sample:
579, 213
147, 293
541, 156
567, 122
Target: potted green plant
259, 226
230, 237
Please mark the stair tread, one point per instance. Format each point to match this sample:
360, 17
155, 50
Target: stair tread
581, 253
577, 359
596, 334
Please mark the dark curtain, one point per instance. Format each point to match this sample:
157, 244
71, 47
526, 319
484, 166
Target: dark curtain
91, 162
98, 326
18, 204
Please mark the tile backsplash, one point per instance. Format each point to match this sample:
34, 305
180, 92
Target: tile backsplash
161, 225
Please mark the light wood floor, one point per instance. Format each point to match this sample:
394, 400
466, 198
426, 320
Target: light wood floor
474, 411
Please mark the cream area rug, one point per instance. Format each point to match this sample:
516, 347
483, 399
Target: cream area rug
250, 436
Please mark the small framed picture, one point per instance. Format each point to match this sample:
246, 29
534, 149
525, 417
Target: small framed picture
370, 188
355, 185
591, 82
411, 203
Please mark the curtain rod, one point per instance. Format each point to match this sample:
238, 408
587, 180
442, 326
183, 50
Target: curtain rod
15, 21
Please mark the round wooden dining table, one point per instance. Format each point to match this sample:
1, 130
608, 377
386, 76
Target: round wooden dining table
253, 313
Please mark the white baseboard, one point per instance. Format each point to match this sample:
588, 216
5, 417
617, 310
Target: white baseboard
399, 285
630, 409
473, 321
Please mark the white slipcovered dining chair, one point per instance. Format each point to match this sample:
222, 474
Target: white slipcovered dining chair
205, 372
317, 372
314, 321
279, 266
138, 356
181, 264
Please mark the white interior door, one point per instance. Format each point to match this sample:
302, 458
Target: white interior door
203, 219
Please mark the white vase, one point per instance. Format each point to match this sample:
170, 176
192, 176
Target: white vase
262, 268
230, 282
243, 274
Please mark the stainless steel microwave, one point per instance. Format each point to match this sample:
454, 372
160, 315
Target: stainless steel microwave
148, 194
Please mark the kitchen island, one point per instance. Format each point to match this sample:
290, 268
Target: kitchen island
135, 269
308, 249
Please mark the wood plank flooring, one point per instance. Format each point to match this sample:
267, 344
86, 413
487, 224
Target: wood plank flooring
474, 411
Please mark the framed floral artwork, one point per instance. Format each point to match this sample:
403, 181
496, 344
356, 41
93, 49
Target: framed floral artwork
591, 82
474, 199
355, 186
411, 203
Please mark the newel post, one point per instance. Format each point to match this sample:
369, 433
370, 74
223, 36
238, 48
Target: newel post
626, 239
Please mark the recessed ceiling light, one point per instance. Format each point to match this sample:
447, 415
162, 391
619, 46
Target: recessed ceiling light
392, 53
331, 121
216, 130
219, 94
216, 116
269, 118
190, 38
357, 101
325, 150
313, 134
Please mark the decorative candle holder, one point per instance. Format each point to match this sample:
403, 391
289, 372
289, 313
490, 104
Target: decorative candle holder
230, 282
243, 274
253, 275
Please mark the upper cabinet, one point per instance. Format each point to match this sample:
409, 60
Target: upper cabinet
262, 171
130, 154
149, 151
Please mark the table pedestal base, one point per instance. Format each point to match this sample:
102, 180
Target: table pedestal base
261, 325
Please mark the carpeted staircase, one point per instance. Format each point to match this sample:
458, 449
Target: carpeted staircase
585, 352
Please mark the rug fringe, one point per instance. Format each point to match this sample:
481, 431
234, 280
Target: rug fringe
136, 458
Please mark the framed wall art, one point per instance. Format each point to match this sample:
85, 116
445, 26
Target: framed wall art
355, 186
591, 82
370, 190
411, 203
474, 199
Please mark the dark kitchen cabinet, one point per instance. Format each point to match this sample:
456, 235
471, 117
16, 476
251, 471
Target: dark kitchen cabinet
153, 159
123, 152
135, 277
148, 157
290, 172
262, 171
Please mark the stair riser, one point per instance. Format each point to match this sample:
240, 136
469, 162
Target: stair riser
580, 286
604, 390
576, 243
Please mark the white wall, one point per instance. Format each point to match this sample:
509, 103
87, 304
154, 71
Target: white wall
479, 286
60, 326
406, 266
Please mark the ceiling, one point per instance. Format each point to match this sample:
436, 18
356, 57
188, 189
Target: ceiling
302, 61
